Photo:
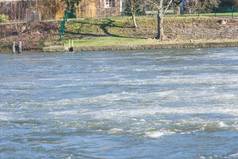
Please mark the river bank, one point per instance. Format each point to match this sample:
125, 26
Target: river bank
118, 33
141, 44
152, 44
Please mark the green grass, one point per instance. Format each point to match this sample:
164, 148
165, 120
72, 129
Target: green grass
123, 26
225, 14
118, 31
110, 41
118, 41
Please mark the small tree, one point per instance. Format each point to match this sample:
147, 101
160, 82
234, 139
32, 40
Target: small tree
162, 6
208, 5
229, 3
134, 8
71, 6
177, 6
133, 12
192, 6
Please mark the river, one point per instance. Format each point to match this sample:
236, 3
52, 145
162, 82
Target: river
161, 104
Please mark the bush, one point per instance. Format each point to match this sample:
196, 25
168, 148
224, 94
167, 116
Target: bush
3, 18
209, 5
229, 3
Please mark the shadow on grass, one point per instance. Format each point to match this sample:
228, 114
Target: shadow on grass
103, 25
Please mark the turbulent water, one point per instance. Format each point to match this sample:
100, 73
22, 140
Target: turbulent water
164, 104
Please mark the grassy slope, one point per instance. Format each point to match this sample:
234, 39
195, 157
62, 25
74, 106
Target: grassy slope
116, 31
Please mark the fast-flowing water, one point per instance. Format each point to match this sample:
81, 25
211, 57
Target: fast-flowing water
164, 104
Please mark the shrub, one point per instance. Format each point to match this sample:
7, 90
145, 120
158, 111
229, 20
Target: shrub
229, 3
3, 18
209, 5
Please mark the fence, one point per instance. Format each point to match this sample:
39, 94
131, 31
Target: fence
217, 12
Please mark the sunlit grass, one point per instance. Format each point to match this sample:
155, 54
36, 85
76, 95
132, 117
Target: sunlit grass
110, 41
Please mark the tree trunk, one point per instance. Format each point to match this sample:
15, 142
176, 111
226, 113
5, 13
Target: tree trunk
133, 12
160, 27
134, 20
160, 22
178, 10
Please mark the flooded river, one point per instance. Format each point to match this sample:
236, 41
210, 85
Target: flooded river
162, 104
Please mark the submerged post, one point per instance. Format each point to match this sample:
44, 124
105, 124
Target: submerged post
20, 47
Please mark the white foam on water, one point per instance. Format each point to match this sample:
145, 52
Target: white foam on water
222, 124
116, 131
5, 116
157, 134
233, 156
188, 79
89, 100
63, 113
210, 157
176, 79
67, 85
156, 97
119, 113
106, 98
215, 126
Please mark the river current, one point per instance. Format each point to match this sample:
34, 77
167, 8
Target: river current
161, 104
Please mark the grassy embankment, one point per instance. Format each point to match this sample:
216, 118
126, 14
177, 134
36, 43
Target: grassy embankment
118, 32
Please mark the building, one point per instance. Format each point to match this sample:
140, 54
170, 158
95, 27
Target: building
54, 9
99, 8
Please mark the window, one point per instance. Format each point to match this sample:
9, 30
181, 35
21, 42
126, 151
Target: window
109, 3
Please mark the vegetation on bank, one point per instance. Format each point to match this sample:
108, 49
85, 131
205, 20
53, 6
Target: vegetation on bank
123, 27
118, 42
119, 31
3, 18
108, 43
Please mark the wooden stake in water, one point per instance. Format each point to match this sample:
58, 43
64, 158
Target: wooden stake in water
71, 46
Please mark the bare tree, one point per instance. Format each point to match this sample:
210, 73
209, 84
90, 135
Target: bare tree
177, 6
162, 6
133, 11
